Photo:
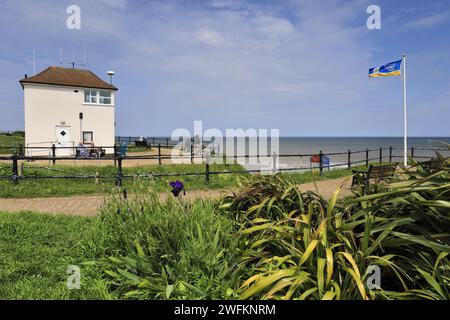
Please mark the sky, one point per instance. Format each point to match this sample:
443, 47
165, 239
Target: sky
297, 66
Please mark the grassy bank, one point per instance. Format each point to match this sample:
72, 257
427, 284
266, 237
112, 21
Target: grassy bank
11, 142
35, 251
67, 187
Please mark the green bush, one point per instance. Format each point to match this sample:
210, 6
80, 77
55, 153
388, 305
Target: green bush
270, 241
303, 247
173, 250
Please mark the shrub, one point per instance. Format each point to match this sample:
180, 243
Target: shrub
303, 247
175, 250
270, 241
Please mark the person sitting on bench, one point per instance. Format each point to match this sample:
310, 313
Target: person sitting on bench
81, 151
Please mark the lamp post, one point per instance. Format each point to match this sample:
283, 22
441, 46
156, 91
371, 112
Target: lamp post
111, 74
81, 126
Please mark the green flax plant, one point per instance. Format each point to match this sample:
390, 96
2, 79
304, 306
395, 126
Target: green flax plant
174, 249
301, 246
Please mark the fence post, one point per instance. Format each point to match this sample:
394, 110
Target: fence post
390, 154
15, 169
54, 153
207, 169
119, 172
367, 157
321, 162
159, 153
192, 152
349, 161
412, 152
115, 153
21, 169
274, 162
381, 154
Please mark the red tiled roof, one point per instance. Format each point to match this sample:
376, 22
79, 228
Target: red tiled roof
68, 77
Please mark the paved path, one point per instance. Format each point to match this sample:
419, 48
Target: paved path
327, 187
89, 205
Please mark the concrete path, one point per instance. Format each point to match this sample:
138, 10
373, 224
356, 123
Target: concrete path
89, 205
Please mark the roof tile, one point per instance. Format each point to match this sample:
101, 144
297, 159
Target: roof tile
68, 77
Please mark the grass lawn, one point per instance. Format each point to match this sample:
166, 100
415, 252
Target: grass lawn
35, 251
12, 142
67, 187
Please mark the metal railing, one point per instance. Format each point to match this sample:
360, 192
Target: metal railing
165, 142
382, 155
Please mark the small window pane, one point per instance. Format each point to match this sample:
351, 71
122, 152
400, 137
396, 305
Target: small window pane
105, 100
105, 94
90, 96
87, 136
105, 97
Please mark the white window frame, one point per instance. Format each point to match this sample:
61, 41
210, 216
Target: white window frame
97, 97
91, 96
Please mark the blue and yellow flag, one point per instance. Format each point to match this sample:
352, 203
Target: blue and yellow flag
386, 70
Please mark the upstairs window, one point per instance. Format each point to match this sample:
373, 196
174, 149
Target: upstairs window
105, 97
97, 97
90, 96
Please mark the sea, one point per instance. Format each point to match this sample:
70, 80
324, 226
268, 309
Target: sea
296, 152
336, 149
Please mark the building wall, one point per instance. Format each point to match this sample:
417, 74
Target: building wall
49, 106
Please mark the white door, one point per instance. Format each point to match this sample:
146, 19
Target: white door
63, 141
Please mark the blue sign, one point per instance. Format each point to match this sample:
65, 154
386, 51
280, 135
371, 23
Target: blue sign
325, 161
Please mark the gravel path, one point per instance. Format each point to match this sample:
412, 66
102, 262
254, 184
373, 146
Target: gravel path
89, 205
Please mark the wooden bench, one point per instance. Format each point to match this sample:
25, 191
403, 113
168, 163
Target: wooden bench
378, 172
141, 143
97, 152
89, 151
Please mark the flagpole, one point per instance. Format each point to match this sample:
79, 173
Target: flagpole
405, 132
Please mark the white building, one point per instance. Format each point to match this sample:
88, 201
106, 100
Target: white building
65, 107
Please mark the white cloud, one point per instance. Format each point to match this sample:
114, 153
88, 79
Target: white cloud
210, 37
427, 22
272, 27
